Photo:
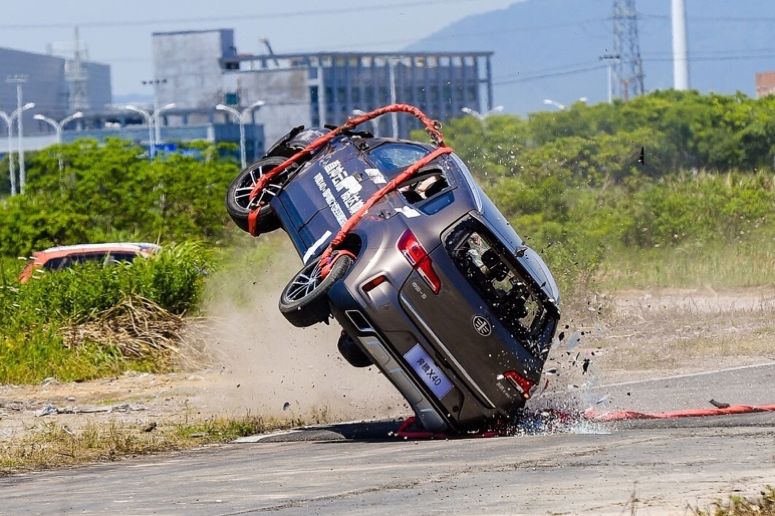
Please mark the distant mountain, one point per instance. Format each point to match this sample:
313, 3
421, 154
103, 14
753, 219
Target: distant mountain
551, 48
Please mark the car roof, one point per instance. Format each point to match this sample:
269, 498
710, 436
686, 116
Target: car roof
65, 250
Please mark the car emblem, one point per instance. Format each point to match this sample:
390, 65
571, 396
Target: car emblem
482, 326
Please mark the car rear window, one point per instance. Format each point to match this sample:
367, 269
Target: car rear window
489, 269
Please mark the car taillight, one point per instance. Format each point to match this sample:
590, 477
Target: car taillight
418, 257
522, 384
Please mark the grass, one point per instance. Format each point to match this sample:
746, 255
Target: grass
735, 265
763, 505
53, 445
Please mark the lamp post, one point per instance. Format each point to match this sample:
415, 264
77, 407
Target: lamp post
8, 119
481, 116
551, 102
373, 121
241, 118
11, 169
58, 126
148, 120
19, 80
156, 114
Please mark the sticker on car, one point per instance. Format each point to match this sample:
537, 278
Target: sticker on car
428, 371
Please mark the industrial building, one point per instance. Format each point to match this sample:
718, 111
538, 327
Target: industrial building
198, 69
56, 85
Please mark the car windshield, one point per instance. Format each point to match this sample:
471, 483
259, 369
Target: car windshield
498, 281
392, 157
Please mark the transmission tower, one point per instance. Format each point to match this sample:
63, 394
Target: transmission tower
77, 76
628, 69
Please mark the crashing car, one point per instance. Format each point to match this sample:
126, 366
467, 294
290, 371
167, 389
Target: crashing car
66, 256
427, 279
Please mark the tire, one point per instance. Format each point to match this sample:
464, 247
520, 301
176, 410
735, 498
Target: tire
352, 353
238, 197
304, 300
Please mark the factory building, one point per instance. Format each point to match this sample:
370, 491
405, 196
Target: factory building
56, 85
199, 69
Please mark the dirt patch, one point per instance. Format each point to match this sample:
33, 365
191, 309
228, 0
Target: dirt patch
639, 334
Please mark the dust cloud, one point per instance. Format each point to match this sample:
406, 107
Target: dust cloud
270, 368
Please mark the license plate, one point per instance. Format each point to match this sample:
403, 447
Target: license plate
428, 371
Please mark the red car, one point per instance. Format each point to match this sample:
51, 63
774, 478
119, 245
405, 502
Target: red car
62, 257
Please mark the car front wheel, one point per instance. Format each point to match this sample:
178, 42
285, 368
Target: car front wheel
238, 197
304, 300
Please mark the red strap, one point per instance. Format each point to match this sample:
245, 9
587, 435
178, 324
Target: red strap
389, 187
253, 222
431, 126
624, 415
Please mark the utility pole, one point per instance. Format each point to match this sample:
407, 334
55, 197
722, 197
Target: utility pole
393, 96
19, 80
611, 60
628, 70
680, 52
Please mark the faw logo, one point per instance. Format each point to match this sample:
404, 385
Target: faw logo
482, 326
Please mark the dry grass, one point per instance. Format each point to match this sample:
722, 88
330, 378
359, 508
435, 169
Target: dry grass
764, 505
140, 329
51, 445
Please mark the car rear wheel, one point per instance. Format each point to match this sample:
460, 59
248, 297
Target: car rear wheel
238, 197
304, 300
352, 353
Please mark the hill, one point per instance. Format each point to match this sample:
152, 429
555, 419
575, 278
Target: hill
551, 48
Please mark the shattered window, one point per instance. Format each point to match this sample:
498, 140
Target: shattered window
392, 157
509, 296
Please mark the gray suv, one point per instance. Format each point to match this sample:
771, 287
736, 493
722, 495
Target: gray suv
432, 286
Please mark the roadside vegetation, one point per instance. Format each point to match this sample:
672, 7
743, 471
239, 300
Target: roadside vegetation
669, 189
56, 325
51, 445
763, 505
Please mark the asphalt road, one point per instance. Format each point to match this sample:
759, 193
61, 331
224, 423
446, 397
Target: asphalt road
652, 466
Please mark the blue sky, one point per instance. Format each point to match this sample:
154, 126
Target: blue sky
119, 32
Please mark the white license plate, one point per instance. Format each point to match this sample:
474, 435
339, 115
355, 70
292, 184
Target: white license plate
430, 373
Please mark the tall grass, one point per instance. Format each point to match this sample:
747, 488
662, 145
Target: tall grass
719, 264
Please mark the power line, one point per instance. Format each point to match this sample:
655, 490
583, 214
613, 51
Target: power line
721, 19
214, 19
548, 75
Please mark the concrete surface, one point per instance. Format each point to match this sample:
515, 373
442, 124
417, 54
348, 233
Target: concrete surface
653, 467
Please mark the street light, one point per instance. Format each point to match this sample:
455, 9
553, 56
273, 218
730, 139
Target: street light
8, 119
156, 113
374, 123
149, 120
241, 116
551, 102
58, 126
481, 117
